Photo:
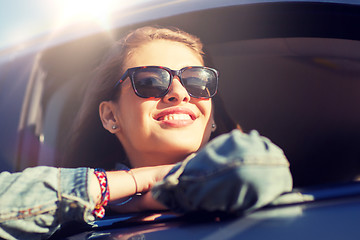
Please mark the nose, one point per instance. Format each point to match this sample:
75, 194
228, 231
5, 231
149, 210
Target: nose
177, 92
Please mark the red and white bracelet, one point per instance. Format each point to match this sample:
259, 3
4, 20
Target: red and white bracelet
99, 210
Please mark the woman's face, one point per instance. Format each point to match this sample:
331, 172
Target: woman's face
162, 130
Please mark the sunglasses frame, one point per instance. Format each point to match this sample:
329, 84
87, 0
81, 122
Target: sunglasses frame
131, 71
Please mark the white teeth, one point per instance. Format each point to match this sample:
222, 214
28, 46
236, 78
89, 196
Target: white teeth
177, 117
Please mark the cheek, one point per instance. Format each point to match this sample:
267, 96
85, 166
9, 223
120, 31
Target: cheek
205, 107
128, 105
209, 117
134, 112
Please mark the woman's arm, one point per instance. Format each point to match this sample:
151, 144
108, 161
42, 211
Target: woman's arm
34, 203
139, 180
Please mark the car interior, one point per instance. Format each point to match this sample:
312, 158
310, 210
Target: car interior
296, 81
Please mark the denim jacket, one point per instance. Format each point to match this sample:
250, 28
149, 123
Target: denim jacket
35, 202
233, 174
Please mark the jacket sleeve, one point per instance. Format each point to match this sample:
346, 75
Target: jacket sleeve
34, 203
235, 173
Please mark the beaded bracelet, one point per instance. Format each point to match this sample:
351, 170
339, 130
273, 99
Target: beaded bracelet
99, 210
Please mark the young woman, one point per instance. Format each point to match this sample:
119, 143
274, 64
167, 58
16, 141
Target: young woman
128, 105
152, 104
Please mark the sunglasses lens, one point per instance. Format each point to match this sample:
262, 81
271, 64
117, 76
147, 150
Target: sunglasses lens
151, 82
200, 82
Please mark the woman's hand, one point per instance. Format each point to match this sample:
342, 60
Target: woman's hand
124, 184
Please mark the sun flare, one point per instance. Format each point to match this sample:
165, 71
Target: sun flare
97, 11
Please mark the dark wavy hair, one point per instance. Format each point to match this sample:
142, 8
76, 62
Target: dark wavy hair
90, 145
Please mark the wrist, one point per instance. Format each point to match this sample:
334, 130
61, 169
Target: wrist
101, 176
130, 172
94, 188
144, 178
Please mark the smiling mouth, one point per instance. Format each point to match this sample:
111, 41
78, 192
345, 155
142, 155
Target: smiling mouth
175, 117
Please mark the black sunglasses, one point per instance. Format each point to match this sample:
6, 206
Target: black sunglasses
155, 81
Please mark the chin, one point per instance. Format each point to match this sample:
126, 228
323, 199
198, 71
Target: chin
188, 147
183, 148
181, 141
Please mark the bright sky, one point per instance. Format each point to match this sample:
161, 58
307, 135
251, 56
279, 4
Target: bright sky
23, 19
